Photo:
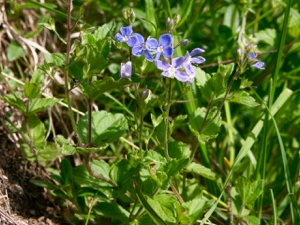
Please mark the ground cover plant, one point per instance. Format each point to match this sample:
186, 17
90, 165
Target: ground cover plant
157, 112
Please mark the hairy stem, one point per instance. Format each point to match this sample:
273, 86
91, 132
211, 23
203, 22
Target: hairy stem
70, 112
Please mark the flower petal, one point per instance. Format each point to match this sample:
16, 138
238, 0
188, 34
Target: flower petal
126, 31
137, 50
197, 60
181, 76
252, 55
196, 51
168, 52
132, 41
126, 70
151, 44
177, 62
162, 65
119, 37
165, 40
140, 38
148, 56
190, 70
259, 65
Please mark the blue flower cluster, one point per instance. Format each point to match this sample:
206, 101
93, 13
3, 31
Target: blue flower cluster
160, 52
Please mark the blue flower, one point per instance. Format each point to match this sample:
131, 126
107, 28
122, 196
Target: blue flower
140, 47
189, 60
126, 36
126, 70
163, 46
173, 70
256, 63
259, 65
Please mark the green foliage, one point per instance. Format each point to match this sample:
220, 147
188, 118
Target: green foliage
106, 127
161, 152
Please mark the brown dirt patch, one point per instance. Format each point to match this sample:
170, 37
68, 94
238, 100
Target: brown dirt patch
22, 202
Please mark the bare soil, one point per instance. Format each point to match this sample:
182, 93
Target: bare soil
22, 202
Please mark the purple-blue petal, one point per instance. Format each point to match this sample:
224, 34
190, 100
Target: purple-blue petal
126, 31
137, 50
182, 76
162, 65
119, 37
148, 56
140, 38
177, 62
126, 70
166, 74
165, 40
252, 55
189, 69
132, 41
259, 65
197, 60
168, 52
196, 51
151, 44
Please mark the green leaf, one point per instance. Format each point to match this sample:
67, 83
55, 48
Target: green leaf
32, 90
40, 104
243, 97
252, 220
151, 17
163, 205
210, 129
268, 36
194, 209
106, 127
101, 167
202, 171
15, 101
37, 131
112, 210
15, 51
99, 87
103, 31
49, 153
55, 59
66, 171
185, 11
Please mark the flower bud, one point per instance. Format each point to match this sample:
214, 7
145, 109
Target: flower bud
126, 70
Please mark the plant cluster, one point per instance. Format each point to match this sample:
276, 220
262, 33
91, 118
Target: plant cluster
143, 157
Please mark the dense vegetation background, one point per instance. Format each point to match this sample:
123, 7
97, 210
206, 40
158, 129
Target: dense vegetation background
222, 149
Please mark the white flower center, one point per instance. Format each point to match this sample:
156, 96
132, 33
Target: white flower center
160, 49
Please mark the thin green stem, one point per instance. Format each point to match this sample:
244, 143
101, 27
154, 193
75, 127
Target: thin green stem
70, 112
89, 102
166, 120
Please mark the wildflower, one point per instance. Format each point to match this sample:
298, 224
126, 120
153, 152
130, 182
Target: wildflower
173, 70
189, 60
126, 70
126, 36
140, 47
164, 46
256, 63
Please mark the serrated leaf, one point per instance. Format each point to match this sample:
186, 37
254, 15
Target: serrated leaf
15, 101
15, 51
106, 127
99, 87
267, 36
40, 104
210, 129
202, 171
55, 59
104, 30
163, 205
36, 129
32, 90
243, 97
50, 152
194, 209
